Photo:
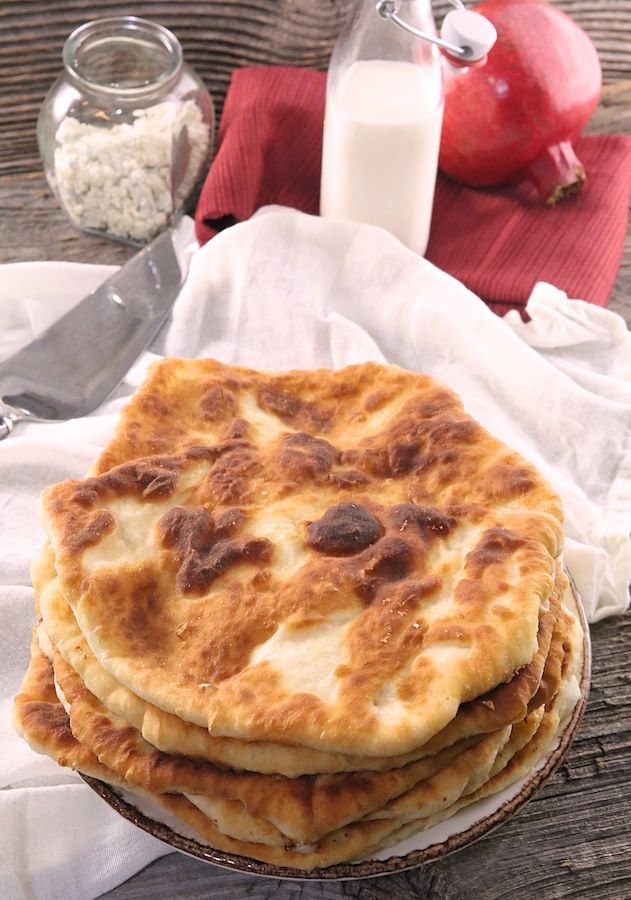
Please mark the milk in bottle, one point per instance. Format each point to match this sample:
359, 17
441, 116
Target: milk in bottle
382, 125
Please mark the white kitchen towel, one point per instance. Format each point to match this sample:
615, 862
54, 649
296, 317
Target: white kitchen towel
289, 290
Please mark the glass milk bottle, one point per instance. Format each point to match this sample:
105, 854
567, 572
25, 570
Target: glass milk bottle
384, 108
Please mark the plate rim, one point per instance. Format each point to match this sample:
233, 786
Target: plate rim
370, 868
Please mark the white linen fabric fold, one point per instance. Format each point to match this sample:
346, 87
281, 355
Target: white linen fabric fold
289, 290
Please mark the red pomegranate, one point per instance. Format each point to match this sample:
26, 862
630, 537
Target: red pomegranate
520, 114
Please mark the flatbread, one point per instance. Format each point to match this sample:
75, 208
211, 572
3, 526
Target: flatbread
517, 759
334, 560
303, 809
41, 719
359, 840
504, 705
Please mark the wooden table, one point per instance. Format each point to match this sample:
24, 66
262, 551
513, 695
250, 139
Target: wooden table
572, 840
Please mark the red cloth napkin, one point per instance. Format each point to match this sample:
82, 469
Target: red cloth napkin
498, 242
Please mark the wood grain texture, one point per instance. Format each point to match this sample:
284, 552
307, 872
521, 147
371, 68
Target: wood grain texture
217, 36
572, 840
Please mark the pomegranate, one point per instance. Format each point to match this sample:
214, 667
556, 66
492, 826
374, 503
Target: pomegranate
520, 114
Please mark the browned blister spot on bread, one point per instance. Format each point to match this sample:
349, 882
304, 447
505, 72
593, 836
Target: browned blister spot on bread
300, 414
151, 479
510, 478
228, 521
303, 456
388, 561
236, 464
349, 478
344, 529
376, 399
494, 547
218, 403
391, 630
237, 430
428, 521
198, 572
89, 531
136, 601
400, 549
426, 439
187, 530
203, 547
429, 443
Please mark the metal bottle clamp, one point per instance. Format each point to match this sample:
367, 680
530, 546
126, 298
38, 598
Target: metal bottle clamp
476, 32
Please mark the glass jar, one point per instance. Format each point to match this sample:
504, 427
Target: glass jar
126, 131
383, 119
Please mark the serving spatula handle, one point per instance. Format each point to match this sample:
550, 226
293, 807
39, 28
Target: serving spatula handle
6, 427
8, 417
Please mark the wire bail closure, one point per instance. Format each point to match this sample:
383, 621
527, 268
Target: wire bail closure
459, 25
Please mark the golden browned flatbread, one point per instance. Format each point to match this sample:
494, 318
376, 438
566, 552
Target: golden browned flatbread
464, 772
505, 704
306, 613
41, 719
43, 722
518, 760
359, 839
334, 560
303, 809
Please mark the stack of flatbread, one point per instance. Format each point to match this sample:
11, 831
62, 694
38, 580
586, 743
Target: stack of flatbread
308, 613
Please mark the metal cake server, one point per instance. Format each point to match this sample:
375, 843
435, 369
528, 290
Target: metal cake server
74, 365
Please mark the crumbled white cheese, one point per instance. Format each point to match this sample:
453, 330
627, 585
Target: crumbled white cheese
119, 179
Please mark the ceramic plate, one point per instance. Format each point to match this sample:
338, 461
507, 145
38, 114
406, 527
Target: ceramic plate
463, 828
